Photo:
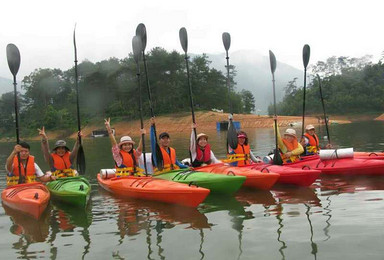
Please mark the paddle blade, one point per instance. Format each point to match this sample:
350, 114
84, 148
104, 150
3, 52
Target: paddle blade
183, 39
80, 162
137, 48
277, 160
306, 55
74, 42
232, 135
13, 57
226, 40
159, 157
141, 31
272, 61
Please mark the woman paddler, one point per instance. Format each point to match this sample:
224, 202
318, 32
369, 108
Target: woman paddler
242, 155
25, 171
60, 160
310, 142
290, 148
125, 156
169, 161
200, 150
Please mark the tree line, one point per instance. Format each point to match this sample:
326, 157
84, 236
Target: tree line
349, 85
109, 89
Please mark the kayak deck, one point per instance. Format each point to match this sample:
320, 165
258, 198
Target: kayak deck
216, 183
29, 198
71, 190
155, 189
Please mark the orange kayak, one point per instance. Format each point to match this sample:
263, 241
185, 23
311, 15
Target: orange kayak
254, 178
155, 189
29, 198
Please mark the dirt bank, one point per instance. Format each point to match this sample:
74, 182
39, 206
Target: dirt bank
206, 121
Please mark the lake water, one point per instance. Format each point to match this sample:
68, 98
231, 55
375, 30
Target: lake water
334, 218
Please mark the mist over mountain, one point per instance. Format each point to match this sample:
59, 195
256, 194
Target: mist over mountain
254, 74
6, 85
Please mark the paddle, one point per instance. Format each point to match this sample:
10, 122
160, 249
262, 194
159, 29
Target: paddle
325, 115
232, 133
141, 31
276, 157
13, 58
137, 48
80, 161
306, 55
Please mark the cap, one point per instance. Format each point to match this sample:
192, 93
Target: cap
201, 135
61, 143
291, 132
242, 134
126, 140
309, 127
163, 134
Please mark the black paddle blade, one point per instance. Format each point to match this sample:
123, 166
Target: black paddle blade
226, 40
159, 158
13, 57
277, 160
137, 48
306, 55
80, 162
232, 135
74, 42
141, 31
183, 39
272, 60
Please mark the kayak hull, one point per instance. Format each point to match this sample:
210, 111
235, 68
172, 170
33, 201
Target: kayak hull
254, 178
369, 155
149, 188
216, 183
71, 190
300, 177
29, 198
345, 166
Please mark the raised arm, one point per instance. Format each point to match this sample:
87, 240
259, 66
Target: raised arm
107, 123
9, 162
140, 147
45, 146
76, 146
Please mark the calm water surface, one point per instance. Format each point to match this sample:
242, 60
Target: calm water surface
334, 218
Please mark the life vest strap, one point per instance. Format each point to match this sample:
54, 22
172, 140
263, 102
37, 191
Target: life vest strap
13, 180
129, 171
64, 173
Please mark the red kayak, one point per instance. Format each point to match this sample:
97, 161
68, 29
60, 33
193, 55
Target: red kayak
155, 189
345, 166
254, 178
300, 177
369, 155
29, 198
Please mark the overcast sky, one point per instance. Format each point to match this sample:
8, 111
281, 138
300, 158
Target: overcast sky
42, 29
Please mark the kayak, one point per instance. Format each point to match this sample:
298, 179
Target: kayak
344, 166
155, 189
71, 190
29, 198
254, 178
369, 155
293, 176
216, 183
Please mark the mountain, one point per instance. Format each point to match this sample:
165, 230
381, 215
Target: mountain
254, 74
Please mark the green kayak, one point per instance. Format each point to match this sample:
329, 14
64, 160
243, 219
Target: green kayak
71, 190
217, 183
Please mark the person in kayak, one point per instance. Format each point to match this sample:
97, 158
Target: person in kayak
27, 170
125, 156
310, 142
168, 161
60, 160
242, 154
290, 148
201, 153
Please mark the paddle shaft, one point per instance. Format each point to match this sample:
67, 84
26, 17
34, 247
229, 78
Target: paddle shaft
305, 84
228, 85
275, 110
325, 115
141, 117
17, 128
190, 94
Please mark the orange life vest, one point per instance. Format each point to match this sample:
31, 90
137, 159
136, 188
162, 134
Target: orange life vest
169, 160
61, 162
128, 165
243, 152
313, 145
29, 173
290, 147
